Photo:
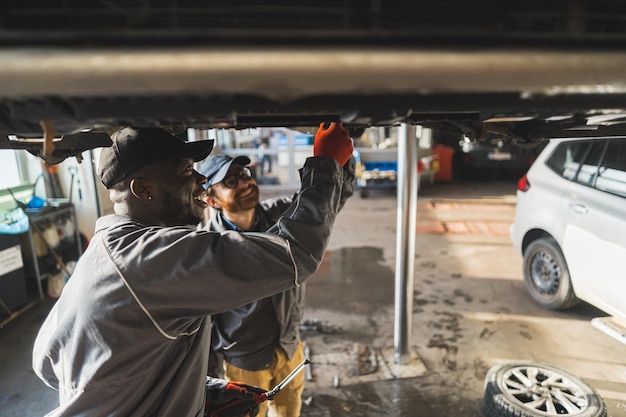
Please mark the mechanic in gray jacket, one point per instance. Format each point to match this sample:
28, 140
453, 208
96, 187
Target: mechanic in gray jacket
260, 341
130, 334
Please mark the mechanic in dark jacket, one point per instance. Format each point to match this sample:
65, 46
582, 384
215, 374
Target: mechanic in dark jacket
260, 341
130, 334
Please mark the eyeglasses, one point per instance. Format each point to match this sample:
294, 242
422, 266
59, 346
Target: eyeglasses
232, 181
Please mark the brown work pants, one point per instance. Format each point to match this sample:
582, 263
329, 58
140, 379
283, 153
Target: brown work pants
288, 401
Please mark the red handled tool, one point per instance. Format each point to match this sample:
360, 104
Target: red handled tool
241, 405
269, 395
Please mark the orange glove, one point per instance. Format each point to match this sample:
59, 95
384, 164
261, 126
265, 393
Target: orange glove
334, 142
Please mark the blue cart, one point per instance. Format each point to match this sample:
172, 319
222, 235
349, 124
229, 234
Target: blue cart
375, 168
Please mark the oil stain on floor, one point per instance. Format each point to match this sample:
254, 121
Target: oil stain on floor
357, 279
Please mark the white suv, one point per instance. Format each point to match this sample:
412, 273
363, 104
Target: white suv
570, 227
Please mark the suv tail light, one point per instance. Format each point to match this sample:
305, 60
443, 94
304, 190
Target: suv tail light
523, 184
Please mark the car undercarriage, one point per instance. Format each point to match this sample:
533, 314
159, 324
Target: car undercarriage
72, 71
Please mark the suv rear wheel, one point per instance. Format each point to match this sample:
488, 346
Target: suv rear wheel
546, 275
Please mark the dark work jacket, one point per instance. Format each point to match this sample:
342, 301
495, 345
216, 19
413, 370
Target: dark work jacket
247, 336
130, 334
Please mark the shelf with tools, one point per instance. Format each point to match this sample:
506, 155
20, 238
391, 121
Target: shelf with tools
49, 248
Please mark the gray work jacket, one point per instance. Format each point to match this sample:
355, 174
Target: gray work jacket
130, 334
245, 336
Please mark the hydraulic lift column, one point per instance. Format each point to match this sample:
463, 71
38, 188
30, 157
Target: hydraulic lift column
405, 241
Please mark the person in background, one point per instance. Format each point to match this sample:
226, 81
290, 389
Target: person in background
259, 342
265, 159
130, 334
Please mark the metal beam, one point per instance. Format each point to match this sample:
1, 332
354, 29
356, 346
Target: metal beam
285, 74
405, 241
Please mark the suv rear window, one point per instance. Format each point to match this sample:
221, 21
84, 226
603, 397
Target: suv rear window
567, 158
597, 163
589, 167
612, 172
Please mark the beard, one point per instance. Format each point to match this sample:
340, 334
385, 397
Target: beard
180, 212
242, 203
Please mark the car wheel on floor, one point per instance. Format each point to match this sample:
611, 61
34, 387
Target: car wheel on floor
546, 275
525, 389
364, 193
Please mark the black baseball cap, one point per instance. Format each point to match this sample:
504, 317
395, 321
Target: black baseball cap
137, 147
215, 167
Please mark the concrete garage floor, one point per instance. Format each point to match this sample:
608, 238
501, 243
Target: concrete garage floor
470, 312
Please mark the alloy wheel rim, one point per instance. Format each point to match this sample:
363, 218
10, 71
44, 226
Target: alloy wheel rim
543, 391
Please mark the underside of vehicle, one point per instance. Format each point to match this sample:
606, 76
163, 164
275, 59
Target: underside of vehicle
522, 70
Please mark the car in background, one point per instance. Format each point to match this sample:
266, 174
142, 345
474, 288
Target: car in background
570, 227
493, 155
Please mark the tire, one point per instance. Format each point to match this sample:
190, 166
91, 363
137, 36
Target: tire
364, 193
546, 275
525, 389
